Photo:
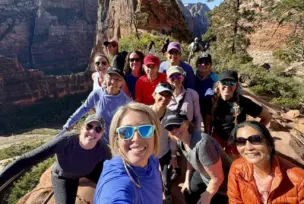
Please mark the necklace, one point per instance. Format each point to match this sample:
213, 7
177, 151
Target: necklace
126, 165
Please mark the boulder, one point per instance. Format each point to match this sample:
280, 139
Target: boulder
292, 114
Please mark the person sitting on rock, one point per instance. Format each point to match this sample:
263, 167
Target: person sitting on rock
106, 100
101, 65
147, 83
260, 175
204, 82
118, 57
77, 155
174, 59
229, 108
194, 47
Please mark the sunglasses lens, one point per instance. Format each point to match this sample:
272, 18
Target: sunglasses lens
228, 83
240, 141
255, 139
89, 126
146, 131
125, 132
98, 129
172, 127
134, 59
104, 63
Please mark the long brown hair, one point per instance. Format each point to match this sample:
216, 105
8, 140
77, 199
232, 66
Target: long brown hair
235, 99
127, 68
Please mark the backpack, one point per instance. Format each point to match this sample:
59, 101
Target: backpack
195, 47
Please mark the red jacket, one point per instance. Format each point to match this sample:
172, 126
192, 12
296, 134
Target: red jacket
287, 185
145, 88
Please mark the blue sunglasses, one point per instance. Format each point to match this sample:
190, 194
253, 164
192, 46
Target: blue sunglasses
228, 83
127, 132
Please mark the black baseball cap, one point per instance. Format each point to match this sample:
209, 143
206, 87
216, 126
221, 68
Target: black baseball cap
115, 70
173, 118
228, 75
205, 58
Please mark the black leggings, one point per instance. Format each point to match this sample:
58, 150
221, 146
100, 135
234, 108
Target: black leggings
65, 190
165, 172
197, 187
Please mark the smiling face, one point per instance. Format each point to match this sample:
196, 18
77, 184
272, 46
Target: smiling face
112, 50
181, 133
257, 154
101, 65
136, 150
134, 62
113, 83
88, 137
176, 80
151, 70
227, 91
162, 99
203, 69
174, 56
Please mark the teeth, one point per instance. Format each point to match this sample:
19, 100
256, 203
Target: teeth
252, 154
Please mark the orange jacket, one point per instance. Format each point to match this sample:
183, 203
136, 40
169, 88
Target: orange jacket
287, 185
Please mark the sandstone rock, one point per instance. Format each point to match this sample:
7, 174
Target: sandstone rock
56, 36
20, 86
43, 190
292, 114
274, 125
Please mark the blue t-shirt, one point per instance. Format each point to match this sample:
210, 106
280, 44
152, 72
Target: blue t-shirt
189, 78
131, 82
202, 85
115, 186
105, 105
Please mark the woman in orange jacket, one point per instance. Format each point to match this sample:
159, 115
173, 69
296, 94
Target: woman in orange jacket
260, 176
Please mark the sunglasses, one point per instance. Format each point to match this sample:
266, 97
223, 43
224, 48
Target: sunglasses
253, 139
134, 59
98, 129
174, 52
175, 77
102, 62
172, 127
228, 83
127, 132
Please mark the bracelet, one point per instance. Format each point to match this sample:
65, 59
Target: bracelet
173, 155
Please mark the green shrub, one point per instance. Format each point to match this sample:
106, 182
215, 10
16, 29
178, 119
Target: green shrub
290, 103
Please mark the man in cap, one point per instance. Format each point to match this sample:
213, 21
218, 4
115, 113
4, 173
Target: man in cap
174, 58
118, 57
194, 47
147, 83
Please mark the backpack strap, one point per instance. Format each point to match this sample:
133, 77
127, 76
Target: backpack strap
180, 103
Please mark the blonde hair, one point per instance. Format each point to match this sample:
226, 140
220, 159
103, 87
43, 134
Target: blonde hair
120, 113
217, 95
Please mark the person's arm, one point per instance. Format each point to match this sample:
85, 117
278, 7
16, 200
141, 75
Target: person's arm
265, 116
189, 171
139, 91
233, 188
29, 159
82, 110
197, 110
215, 171
207, 124
173, 148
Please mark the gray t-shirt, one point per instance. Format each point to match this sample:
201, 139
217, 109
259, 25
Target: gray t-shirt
205, 151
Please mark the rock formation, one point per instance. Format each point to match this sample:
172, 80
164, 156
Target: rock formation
51, 35
120, 18
195, 15
20, 86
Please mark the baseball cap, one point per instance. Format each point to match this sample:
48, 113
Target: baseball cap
173, 118
115, 70
163, 86
205, 58
175, 69
113, 42
174, 45
151, 59
95, 118
228, 75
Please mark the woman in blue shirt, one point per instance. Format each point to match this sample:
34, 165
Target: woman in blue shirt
106, 100
132, 175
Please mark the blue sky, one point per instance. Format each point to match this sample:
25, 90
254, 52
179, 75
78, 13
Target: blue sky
210, 4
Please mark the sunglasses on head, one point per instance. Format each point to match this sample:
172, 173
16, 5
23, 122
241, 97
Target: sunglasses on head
127, 132
172, 127
102, 62
176, 76
228, 83
253, 139
134, 59
98, 129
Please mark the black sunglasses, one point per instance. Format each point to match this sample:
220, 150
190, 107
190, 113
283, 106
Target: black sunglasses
134, 59
97, 129
102, 62
172, 127
253, 139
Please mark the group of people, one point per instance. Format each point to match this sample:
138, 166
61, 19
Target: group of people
150, 113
